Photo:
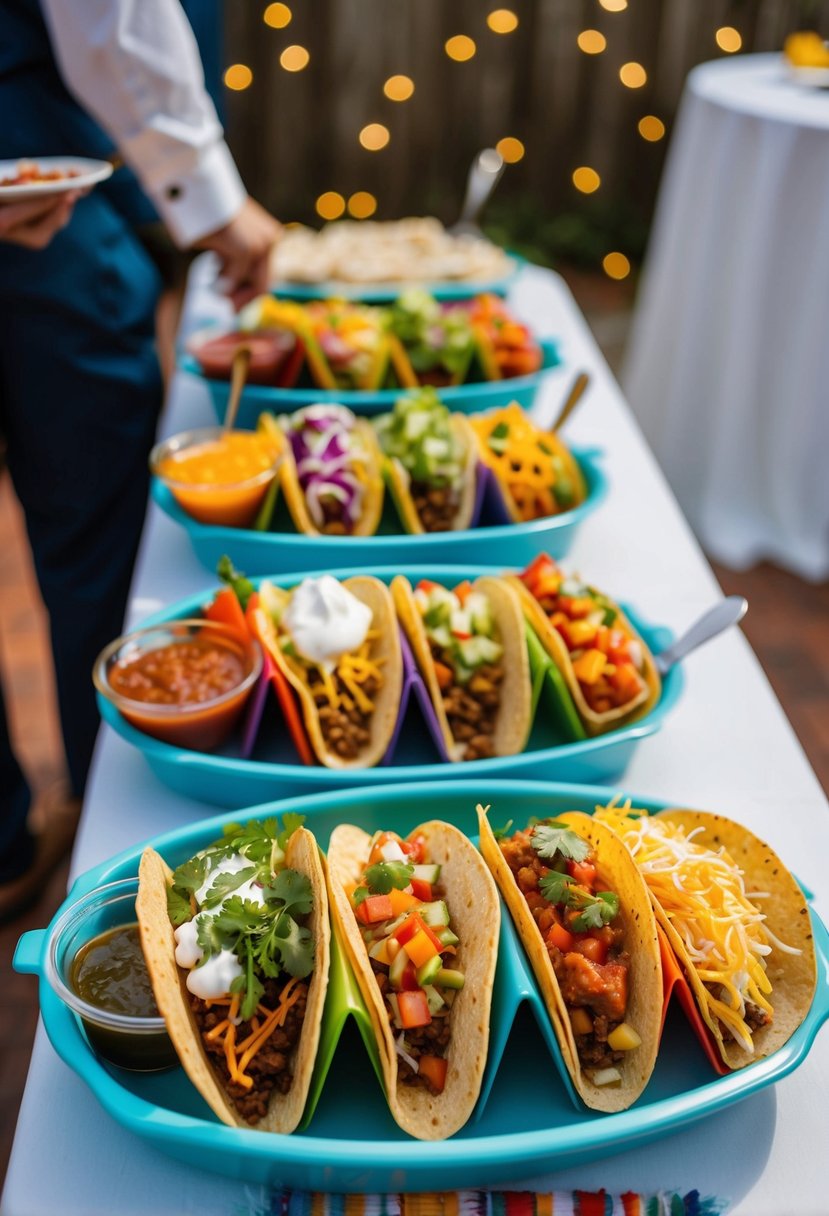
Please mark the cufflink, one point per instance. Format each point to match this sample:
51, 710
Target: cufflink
173, 192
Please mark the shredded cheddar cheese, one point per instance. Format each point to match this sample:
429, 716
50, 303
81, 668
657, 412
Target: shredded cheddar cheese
239, 1055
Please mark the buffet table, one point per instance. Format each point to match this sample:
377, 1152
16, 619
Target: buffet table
727, 747
728, 361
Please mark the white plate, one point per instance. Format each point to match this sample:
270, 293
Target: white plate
88, 173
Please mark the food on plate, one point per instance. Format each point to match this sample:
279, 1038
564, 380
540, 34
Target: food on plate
438, 339
29, 173
431, 463
609, 671
420, 920
536, 474
331, 476
338, 645
236, 942
414, 249
735, 918
806, 49
507, 347
583, 914
471, 650
276, 356
219, 477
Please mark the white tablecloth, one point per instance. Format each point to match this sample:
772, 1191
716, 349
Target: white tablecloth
727, 746
728, 365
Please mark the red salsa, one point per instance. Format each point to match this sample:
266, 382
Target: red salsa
188, 672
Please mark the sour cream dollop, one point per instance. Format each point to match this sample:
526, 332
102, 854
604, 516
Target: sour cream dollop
325, 620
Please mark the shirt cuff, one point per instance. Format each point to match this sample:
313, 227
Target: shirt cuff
196, 203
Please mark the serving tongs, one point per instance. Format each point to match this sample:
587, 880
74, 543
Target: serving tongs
729, 611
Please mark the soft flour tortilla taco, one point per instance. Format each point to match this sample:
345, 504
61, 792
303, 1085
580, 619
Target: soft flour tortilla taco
736, 920
421, 919
431, 463
608, 669
331, 475
583, 913
338, 644
237, 944
471, 649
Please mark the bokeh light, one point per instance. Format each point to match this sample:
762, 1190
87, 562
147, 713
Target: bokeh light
632, 75
616, 265
614, 6
502, 21
728, 39
651, 128
460, 48
294, 58
399, 88
510, 149
238, 76
277, 16
362, 204
592, 42
374, 136
586, 179
330, 205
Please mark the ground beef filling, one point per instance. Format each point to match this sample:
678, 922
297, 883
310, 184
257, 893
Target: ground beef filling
270, 1068
335, 519
600, 989
436, 506
346, 729
753, 1016
472, 708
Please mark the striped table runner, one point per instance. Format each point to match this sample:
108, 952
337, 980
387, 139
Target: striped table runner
487, 1203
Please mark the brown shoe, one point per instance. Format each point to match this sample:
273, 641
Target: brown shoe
53, 820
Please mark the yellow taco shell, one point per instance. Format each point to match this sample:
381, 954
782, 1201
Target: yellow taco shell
400, 482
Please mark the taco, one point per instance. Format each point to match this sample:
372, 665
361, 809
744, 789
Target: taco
236, 943
338, 645
582, 911
438, 339
535, 473
331, 476
736, 920
431, 463
507, 347
470, 647
421, 920
609, 671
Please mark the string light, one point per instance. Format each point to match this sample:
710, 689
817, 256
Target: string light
374, 136
502, 21
294, 58
330, 205
592, 42
616, 265
511, 149
460, 48
586, 179
277, 16
632, 75
651, 128
399, 88
614, 6
238, 76
362, 204
728, 39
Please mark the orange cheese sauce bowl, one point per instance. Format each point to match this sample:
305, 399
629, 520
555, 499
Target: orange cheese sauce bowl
218, 476
184, 682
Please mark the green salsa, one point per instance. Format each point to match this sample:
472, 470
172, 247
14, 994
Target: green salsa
110, 973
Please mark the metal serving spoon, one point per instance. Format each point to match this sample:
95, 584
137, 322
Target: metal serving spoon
484, 176
571, 400
728, 612
238, 376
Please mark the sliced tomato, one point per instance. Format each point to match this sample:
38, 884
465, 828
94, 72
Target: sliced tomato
422, 890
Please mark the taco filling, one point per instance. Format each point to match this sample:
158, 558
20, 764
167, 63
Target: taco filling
405, 922
608, 663
333, 465
468, 658
419, 434
533, 467
243, 942
439, 340
353, 341
510, 345
584, 935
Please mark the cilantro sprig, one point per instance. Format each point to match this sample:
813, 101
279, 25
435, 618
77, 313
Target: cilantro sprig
383, 877
235, 579
595, 909
555, 837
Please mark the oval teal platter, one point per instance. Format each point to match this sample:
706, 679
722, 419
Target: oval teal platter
387, 293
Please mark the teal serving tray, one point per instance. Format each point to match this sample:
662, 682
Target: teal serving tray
463, 398
351, 1144
554, 750
387, 293
259, 552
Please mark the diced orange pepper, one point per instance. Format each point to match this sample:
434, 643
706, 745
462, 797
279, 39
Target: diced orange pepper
579, 633
402, 902
433, 1068
420, 949
561, 938
589, 666
463, 589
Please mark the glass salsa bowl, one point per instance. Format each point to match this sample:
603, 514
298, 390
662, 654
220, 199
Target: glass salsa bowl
216, 489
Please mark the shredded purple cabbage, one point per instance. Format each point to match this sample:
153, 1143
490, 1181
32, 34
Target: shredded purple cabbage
327, 452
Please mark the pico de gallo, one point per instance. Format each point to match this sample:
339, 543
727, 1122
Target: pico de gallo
438, 339
510, 345
405, 922
584, 933
607, 662
419, 433
468, 663
354, 341
532, 466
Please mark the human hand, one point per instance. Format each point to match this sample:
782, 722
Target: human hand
243, 248
34, 222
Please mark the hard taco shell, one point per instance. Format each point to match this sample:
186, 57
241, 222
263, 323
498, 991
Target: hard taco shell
173, 999
475, 912
399, 482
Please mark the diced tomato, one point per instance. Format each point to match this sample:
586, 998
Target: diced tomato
414, 1009
560, 938
583, 872
626, 681
374, 909
382, 840
411, 925
592, 948
461, 635
422, 890
538, 567
427, 585
463, 589
433, 1068
408, 980
443, 674
402, 901
414, 849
